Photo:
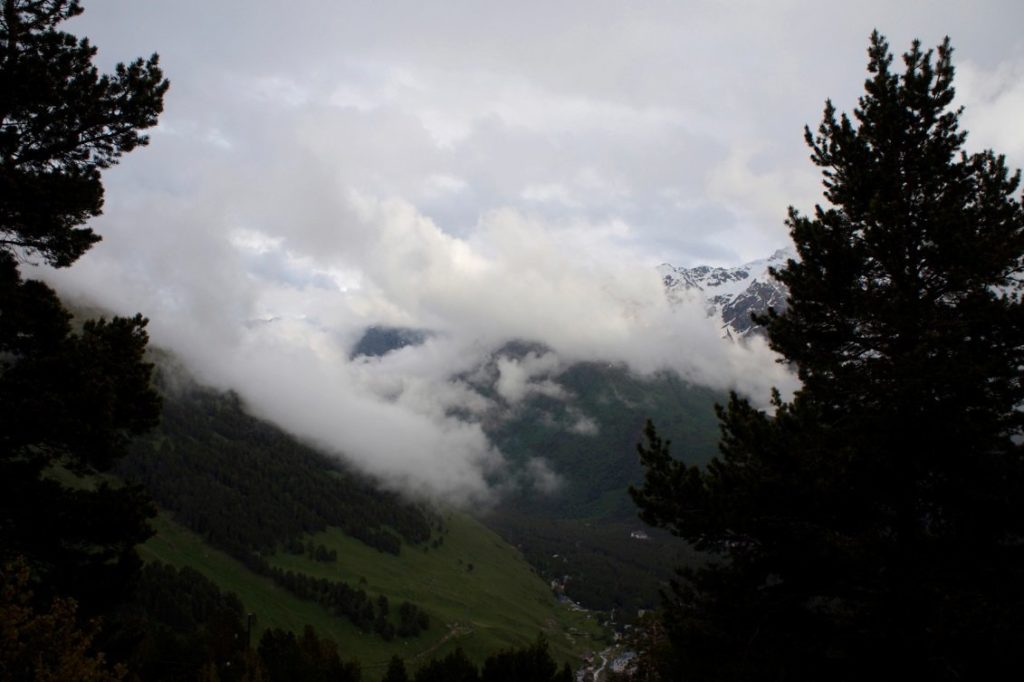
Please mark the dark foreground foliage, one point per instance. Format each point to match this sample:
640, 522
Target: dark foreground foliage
529, 664
178, 626
70, 397
871, 527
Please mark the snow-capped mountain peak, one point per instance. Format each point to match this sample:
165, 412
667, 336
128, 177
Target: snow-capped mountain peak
730, 294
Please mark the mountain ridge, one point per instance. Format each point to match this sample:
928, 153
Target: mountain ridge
730, 295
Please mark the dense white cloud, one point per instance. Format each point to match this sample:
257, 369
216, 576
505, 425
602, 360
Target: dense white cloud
994, 107
516, 377
487, 173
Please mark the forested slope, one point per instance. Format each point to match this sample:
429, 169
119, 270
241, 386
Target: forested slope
303, 541
249, 487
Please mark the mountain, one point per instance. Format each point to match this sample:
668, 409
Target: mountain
730, 295
381, 340
303, 541
569, 432
584, 420
570, 444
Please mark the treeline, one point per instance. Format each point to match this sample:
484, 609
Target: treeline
246, 486
177, 625
315, 552
530, 664
284, 657
341, 599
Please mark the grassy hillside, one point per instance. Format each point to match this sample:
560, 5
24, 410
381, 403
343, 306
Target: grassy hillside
498, 604
239, 495
475, 586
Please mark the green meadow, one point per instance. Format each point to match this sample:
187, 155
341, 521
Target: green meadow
478, 591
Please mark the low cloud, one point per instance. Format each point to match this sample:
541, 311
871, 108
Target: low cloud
583, 425
516, 377
278, 324
994, 106
416, 167
542, 478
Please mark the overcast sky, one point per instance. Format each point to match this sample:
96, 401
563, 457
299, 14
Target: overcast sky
486, 171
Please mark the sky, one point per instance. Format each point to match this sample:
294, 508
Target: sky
483, 171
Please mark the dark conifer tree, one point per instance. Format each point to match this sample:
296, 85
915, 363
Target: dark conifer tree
68, 398
872, 526
455, 667
529, 664
396, 670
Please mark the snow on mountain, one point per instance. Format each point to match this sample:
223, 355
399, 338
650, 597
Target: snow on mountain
730, 294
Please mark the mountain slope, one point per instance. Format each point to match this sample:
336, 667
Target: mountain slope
243, 501
249, 487
569, 440
575, 522
587, 435
569, 435
501, 604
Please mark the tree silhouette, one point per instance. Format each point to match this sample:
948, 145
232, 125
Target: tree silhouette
871, 526
70, 397
63, 122
46, 644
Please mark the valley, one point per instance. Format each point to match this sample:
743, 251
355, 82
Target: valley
241, 501
273, 521
367, 368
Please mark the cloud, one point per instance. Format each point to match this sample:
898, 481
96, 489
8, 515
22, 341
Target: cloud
516, 377
488, 173
584, 425
541, 476
275, 323
994, 107
760, 191
300, 380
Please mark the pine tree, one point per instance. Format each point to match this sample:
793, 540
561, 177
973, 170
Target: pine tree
62, 123
70, 398
396, 670
872, 526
